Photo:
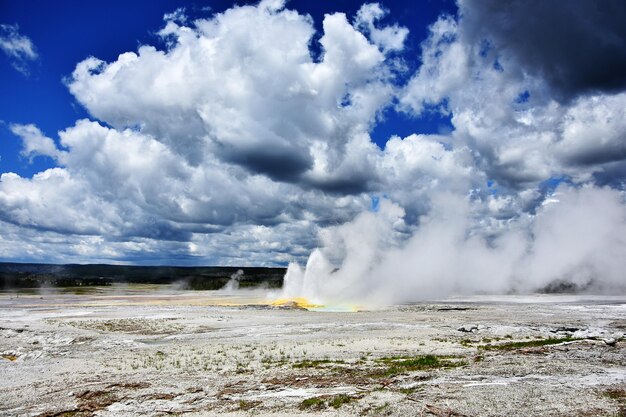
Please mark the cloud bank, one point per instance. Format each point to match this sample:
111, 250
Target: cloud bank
232, 142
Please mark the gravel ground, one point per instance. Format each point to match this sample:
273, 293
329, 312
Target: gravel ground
149, 351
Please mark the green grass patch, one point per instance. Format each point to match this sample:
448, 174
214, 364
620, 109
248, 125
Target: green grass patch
82, 290
528, 344
315, 363
248, 405
339, 400
319, 403
397, 365
467, 342
418, 362
615, 394
409, 391
380, 410
315, 403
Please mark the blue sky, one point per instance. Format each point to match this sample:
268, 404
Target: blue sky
213, 137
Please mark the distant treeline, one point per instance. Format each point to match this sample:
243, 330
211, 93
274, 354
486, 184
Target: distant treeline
23, 275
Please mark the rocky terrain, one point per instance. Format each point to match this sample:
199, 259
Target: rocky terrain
155, 351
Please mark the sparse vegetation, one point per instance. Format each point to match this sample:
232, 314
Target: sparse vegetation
128, 325
340, 400
486, 341
379, 410
319, 403
315, 363
396, 365
619, 396
615, 394
409, 391
528, 344
467, 342
315, 403
248, 405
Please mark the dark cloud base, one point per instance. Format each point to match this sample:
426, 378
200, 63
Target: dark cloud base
577, 46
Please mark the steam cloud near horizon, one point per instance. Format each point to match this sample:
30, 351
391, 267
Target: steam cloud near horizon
577, 238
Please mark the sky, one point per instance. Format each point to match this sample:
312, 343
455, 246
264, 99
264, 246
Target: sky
252, 133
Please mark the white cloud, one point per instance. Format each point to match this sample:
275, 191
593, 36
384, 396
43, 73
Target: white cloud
124, 185
35, 143
389, 38
18, 48
53, 200
520, 142
594, 131
219, 90
444, 69
177, 16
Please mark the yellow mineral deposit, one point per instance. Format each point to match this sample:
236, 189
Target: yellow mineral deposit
296, 302
304, 304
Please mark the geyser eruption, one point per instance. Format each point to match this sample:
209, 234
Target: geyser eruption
577, 238
233, 283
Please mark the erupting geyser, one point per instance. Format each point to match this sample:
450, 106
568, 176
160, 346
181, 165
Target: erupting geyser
577, 239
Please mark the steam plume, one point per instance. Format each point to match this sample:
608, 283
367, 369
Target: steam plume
576, 238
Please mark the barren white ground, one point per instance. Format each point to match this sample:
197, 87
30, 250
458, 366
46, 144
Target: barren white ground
148, 351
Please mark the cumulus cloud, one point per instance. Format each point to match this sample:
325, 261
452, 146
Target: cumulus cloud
127, 167
594, 131
35, 143
389, 38
215, 134
444, 68
18, 48
524, 134
220, 90
178, 16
